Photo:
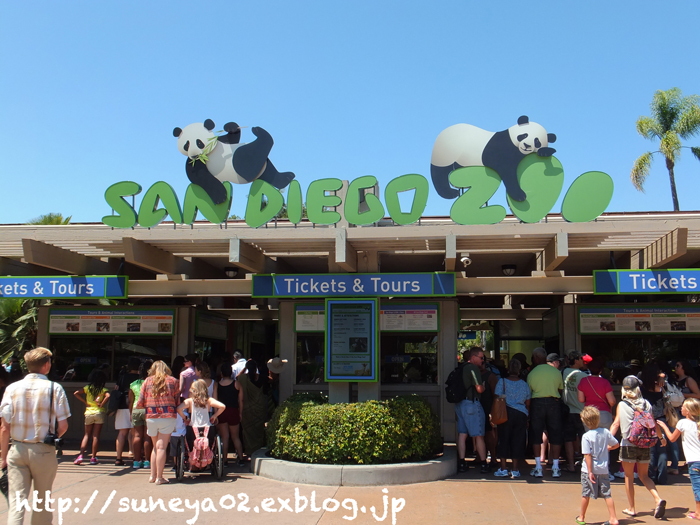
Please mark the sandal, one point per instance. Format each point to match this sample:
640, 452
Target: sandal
629, 513
580, 522
162, 481
693, 516
660, 509
151, 480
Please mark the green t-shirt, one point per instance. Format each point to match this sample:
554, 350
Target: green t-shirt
545, 381
93, 402
136, 389
471, 375
572, 377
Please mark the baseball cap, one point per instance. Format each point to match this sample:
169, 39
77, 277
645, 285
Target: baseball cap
553, 357
631, 382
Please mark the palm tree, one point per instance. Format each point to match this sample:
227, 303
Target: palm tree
51, 218
18, 326
673, 117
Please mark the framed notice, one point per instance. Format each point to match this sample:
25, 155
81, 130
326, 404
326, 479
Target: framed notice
111, 322
351, 340
604, 320
309, 317
409, 318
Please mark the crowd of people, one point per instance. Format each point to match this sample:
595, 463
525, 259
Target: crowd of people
153, 404
563, 407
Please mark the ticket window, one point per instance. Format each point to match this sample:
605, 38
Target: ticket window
310, 359
409, 358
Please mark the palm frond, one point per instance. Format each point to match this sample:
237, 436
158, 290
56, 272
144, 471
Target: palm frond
688, 124
640, 170
696, 152
665, 107
648, 128
670, 146
51, 218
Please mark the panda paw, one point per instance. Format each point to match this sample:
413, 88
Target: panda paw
546, 152
517, 194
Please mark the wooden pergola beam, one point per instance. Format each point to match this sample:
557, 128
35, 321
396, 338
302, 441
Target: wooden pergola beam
345, 254
147, 256
66, 261
246, 256
662, 251
555, 253
450, 252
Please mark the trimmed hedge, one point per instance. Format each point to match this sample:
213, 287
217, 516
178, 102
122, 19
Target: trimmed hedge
306, 428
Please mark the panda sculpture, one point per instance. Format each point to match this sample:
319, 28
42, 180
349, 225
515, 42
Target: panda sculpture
465, 145
228, 160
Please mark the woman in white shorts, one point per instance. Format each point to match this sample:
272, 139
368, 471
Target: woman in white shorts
160, 396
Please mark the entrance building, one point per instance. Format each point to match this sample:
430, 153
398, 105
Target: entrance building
217, 288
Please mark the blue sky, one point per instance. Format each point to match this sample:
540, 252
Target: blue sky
92, 90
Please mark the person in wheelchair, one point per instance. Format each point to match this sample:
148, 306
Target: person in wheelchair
198, 421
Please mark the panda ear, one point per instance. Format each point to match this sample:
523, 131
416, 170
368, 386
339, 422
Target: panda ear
551, 137
177, 132
209, 124
523, 120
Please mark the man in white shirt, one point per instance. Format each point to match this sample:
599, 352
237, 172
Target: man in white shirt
28, 415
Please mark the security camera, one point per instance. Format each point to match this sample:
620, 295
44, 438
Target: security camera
466, 261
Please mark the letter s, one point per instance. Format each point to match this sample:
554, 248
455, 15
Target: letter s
126, 215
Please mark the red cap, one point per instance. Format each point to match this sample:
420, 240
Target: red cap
587, 359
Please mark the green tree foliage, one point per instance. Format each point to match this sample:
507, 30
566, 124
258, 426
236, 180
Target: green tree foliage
51, 219
673, 117
18, 326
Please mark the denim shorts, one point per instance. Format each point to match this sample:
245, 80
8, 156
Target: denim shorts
470, 418
694, 471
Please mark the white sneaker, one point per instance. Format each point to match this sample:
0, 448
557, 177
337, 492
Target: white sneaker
536, 472
556, 472
515, 474
500, 473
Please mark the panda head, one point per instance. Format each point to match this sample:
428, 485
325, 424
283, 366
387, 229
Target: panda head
530, 137
192, 140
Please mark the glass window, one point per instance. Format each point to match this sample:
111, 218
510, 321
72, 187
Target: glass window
310, 359
409, 358
76, 357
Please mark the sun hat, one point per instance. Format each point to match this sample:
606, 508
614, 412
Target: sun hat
275, 365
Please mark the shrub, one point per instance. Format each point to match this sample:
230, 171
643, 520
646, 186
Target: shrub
306, 428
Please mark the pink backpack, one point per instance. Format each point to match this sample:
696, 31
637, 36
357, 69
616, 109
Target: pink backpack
201, 454
642, 429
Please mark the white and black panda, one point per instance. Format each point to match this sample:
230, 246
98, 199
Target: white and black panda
228, 160
465, 145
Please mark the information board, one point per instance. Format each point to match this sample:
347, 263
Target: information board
409, 318
642, 319
310, 317
351, 340
111, 322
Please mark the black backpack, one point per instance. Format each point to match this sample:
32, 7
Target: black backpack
454, 389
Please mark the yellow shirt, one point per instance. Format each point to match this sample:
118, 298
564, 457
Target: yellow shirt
545, 381
94, 402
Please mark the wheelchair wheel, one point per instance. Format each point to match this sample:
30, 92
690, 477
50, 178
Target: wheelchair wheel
217, 464
180, 458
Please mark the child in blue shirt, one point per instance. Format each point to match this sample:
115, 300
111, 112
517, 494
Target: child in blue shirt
595, 480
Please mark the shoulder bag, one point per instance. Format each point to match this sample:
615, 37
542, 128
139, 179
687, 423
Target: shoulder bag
499, 411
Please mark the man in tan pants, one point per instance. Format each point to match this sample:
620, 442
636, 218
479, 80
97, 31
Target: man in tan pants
27, 416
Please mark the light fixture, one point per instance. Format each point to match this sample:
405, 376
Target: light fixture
465, 259
231, 271
508, 269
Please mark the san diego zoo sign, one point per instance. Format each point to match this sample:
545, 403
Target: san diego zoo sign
468, 165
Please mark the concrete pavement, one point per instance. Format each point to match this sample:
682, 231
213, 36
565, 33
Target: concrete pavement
107, 494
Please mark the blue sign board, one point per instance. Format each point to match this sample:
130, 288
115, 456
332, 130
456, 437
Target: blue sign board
607, 282
65, 287
437, 284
